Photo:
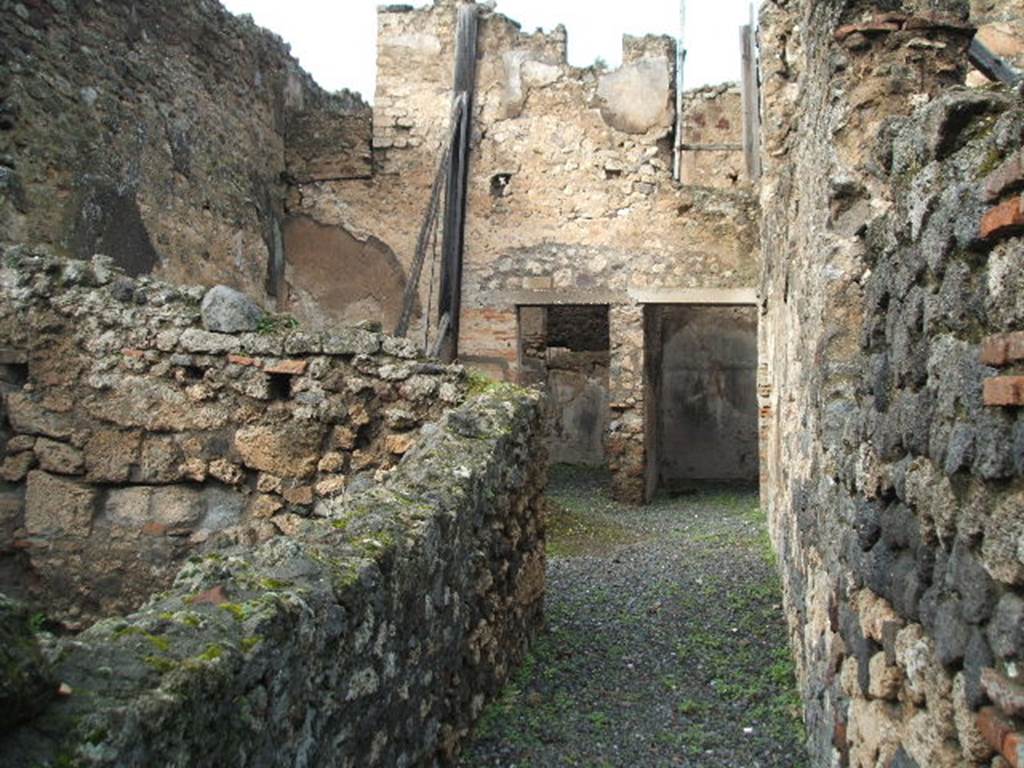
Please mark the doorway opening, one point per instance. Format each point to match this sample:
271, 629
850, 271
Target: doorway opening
565, 349
702, 426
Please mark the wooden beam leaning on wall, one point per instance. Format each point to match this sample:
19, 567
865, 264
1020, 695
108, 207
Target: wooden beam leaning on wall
450, 301
751, 95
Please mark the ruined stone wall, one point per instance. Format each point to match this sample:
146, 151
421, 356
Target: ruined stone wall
155, 133
571, 198
893, 449
132, 437
372, 636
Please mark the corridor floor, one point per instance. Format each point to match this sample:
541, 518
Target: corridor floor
664, 642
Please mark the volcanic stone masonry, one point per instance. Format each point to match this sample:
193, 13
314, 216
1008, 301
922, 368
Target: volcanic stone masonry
893, 447
267, 542
331, 550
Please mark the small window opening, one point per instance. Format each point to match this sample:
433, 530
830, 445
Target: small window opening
500, 184
15, 374
578, 327
279, 386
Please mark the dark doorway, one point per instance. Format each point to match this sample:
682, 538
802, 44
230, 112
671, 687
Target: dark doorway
565, 350
703, 377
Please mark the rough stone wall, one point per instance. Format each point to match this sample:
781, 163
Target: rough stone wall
892, 444
155, 133
132, 438
372, 636
713, 127
571, 198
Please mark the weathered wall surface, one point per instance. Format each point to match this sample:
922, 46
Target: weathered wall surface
713, 129
132, 437
372, 636
564, 350
707, 401
571, 198
155, 133
893, 445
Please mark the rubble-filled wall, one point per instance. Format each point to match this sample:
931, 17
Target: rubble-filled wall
894, 436
133, 436
155, 133
358, 545
571, 198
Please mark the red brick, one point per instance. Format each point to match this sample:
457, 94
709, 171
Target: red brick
1003, 349
289, 367
154, 529
242, 360
993, 727
1003, 220
301, 496
1004, 391
893, 18
1012, 748
1005, 178
875, 27
938, 21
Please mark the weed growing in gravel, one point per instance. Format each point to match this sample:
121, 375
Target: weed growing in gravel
665, 643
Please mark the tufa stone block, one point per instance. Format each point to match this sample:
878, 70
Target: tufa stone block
59, 458
288, 451
56, 506
17, 466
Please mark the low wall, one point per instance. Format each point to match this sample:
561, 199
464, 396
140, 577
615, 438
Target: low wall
132, 437
373, 636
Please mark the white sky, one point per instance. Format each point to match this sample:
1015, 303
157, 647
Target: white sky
335, 40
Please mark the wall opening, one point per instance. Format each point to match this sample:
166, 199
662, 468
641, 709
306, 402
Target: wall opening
702, 384
565, 350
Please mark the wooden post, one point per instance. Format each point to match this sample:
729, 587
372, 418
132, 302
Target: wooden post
751, 103
450, 302
677, 155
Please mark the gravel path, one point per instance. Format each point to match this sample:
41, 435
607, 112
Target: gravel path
664, 645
